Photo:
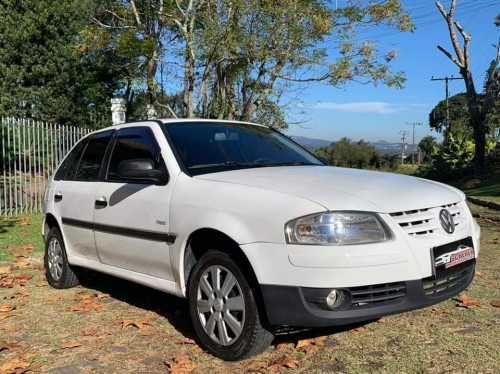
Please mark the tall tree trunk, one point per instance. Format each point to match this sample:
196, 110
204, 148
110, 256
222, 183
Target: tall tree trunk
151, 73
187, 99
461, 59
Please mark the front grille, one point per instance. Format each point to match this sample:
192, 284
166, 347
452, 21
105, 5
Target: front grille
449, 282
425, 222
375, 295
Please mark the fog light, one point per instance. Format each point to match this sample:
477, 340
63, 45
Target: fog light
335, 298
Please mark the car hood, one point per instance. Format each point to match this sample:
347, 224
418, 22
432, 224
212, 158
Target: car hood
345, 189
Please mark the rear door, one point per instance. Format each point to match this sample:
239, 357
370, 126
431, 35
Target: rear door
75, 186
132, 221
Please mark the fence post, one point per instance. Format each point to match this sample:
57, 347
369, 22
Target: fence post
118, 111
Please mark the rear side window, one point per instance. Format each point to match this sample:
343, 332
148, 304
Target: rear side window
84, 161
70, 162
133, 143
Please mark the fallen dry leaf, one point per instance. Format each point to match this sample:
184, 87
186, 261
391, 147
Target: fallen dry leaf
5, 270
495, 304
101, 296
382, 320
186, 341
7, 308
19, 365
139, 323
10, 328
285, 362
86, 307
42, 283
83, 296
303, 343
440, 310
320, 340
359, 329
464, 301
181, 365
9, 346
69, 345
282, 345
5, 316
311, 350
14, 281
56, 297
91, 331
478, 273
17, 294
255, 366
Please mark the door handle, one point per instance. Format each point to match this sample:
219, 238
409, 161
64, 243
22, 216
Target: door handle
102, 202
57, 197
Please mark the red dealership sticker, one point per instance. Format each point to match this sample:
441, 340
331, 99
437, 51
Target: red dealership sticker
462, 254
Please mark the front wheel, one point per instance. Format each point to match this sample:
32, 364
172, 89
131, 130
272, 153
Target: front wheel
223, 309
57, 269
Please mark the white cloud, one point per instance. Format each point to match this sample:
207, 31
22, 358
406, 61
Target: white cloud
364, 107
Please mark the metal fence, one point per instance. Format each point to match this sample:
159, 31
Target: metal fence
31, 150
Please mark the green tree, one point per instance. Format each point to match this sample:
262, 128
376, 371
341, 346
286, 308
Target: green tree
458, 119
346, 153
428, 146
478, 109
235, 59
42, 73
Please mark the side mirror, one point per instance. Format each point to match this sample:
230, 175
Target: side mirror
142, 169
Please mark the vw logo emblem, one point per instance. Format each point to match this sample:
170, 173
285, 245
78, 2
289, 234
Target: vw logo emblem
446, 220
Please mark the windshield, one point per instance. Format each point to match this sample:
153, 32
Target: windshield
206, 147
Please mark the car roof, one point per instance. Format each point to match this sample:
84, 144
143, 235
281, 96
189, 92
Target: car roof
167, 121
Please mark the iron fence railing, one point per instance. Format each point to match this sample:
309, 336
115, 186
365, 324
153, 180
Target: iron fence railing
30, 150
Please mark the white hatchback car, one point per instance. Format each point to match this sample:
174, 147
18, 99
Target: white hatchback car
254, 230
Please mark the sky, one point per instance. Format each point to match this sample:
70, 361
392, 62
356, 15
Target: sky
378, 113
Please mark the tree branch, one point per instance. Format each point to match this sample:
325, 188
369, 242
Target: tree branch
450, 56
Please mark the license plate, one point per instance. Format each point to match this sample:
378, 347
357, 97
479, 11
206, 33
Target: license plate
451, 255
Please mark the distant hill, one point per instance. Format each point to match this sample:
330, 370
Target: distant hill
382, 146
311, 144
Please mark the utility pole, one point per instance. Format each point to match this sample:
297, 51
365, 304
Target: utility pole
413, 146
446, 80
403, 145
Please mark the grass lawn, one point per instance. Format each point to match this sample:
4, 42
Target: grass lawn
110, 325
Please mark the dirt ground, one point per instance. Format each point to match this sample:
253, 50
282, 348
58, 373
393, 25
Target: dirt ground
107, 325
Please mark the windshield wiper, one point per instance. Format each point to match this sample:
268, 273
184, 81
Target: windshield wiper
294, 163
227, 164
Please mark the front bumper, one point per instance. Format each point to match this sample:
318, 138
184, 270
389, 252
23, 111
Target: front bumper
305, 307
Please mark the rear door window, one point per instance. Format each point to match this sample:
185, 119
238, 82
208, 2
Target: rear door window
90, 163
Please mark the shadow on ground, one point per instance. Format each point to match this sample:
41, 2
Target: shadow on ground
6, 224
176, 309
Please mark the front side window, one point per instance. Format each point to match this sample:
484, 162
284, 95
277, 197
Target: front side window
134, 143
212, 146
90, 163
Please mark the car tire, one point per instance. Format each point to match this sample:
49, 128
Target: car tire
58, 272
224, 310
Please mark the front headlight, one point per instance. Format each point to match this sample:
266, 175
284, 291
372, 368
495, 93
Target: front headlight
337, 228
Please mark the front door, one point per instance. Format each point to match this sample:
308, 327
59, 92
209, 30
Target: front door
131, 218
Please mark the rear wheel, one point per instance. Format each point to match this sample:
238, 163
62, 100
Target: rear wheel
57, 270
223, 309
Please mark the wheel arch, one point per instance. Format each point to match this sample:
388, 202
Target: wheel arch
205, 239
49, 223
